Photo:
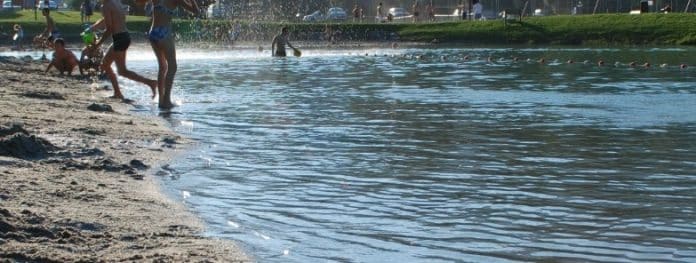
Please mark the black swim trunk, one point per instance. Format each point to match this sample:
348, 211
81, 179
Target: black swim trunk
280, 53
121, 41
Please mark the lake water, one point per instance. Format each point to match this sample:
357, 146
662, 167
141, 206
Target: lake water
392, 157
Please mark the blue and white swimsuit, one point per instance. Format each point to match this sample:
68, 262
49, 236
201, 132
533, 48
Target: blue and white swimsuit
160, 32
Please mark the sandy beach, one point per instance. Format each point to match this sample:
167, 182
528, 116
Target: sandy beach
78, 177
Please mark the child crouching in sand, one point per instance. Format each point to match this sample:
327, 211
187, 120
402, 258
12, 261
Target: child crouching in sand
63, 60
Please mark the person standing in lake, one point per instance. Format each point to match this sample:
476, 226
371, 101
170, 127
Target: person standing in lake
161, 38
114, 21
279, 42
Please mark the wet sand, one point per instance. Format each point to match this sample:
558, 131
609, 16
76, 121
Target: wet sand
78, 177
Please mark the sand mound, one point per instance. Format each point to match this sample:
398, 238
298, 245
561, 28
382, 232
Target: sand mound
12, 129
45, 95
99, 107
17, 142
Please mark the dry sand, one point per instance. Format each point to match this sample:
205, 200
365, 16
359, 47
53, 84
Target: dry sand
77, 180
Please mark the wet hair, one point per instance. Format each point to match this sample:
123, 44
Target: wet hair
46, 10
284, 29
59, 41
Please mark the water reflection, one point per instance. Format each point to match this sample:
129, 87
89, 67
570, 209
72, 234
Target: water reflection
354, 158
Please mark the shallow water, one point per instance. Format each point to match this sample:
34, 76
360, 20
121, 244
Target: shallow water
338, 156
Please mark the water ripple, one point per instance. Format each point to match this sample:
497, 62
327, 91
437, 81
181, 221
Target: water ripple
425, 156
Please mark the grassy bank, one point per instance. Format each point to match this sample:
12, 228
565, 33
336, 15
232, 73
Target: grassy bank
624, 29
659, 29
68, 22
655, 29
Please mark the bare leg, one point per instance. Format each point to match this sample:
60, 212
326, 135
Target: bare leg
120, 59
170, 53
157, 48
106, 67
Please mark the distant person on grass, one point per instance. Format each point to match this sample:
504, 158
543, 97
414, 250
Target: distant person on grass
161, 38
380, 13
415, 8
235, 31
86, 11
478, 9
279, 42
63, 60
431, 12
114, 21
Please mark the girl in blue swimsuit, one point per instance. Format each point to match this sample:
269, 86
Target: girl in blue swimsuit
162, 40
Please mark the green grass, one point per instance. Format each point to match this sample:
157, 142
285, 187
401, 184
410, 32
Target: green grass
68, 22
660, 29
623, 29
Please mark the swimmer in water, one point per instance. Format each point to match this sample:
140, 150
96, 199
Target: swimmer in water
279, 42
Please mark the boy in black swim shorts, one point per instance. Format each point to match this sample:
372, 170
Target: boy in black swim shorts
121, 41
115, 23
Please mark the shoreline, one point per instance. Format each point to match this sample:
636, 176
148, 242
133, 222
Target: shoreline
79, 177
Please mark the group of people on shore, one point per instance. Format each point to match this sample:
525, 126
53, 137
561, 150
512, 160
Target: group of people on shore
113, 25
160, 36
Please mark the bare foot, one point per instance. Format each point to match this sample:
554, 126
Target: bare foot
166, 105
153, 88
